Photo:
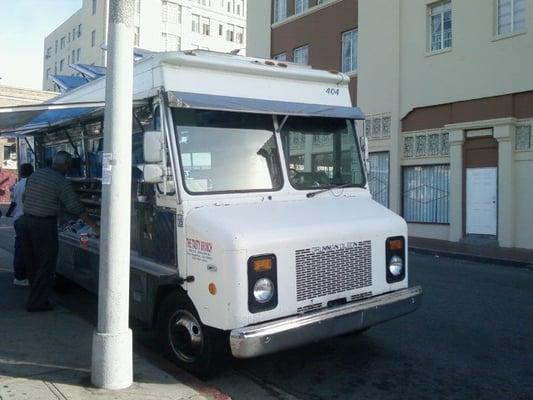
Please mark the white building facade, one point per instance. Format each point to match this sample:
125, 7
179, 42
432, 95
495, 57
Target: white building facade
160, 25
448, 91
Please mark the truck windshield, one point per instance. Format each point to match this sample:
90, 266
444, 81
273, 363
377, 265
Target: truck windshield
321, 153
227, 151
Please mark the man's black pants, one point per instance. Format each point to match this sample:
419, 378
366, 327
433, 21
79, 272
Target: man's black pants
39, 244
19, 267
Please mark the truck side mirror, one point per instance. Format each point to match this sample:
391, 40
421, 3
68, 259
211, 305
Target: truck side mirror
152, 173
153, 147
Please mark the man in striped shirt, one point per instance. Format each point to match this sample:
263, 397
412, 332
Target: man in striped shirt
46, 190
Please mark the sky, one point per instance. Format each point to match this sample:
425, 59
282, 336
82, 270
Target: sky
24, 25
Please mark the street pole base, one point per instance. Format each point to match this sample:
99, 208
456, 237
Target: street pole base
112, 360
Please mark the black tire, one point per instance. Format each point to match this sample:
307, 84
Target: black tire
184, 339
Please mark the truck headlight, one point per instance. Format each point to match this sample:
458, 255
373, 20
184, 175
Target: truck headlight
263, 290
396, 265
395, 253
262, 281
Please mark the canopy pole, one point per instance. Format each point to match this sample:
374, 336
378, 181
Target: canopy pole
112, 358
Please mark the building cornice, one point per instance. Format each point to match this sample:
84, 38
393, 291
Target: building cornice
488, 123
307, 12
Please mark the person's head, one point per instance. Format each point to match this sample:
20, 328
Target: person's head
25, 170
62, 162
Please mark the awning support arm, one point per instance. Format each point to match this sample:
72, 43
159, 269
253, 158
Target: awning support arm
285, 118
73, 145
29, 145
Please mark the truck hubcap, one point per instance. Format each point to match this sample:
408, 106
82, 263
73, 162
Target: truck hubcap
186, 337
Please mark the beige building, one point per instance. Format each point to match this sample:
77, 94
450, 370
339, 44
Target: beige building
448, 90
13, 96
160, 25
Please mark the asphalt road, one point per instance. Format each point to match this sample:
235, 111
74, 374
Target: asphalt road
472, 339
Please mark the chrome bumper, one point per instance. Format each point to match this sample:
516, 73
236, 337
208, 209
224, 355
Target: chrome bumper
269, 337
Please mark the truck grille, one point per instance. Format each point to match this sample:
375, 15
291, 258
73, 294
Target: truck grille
326, 270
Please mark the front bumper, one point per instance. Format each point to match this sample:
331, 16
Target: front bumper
269, 337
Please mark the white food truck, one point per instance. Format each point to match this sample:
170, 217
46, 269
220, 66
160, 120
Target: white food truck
253, 227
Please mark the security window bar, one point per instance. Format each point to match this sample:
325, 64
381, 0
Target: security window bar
440, 25
349, 51
511, 16
301, 55
280, 10
426, 193
378, 177
300, 6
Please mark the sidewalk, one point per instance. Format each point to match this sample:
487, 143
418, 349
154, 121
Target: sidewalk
47, 356
475, 252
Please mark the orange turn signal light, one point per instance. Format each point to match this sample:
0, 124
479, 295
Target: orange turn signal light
212, 288
395, 244
262, 264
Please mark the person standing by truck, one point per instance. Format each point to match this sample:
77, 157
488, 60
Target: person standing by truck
46, 190
16, 210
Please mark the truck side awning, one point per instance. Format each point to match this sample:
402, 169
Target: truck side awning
243, 104
36, 118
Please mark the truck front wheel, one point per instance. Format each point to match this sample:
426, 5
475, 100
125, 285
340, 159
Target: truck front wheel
184, 339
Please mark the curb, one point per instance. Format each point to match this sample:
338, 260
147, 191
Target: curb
181, 375
473, 257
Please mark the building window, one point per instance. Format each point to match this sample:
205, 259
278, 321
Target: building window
62, 43
511, 16
206, 26
73, 57
280, 10
138, 6
55, 68
230, 33
79, 30
239, 35
349, 51
220, 29
440, 25
280, 57
78, 52
170, 42
300, 6
378, 177
56, 48
61, 64
171, 12
137, 36
94, 7
196, 23
93, 38
48, 74
164, 11
301, 55
426, 194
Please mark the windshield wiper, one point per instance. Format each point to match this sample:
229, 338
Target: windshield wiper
313, 194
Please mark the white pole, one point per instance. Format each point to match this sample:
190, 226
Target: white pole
112, 357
